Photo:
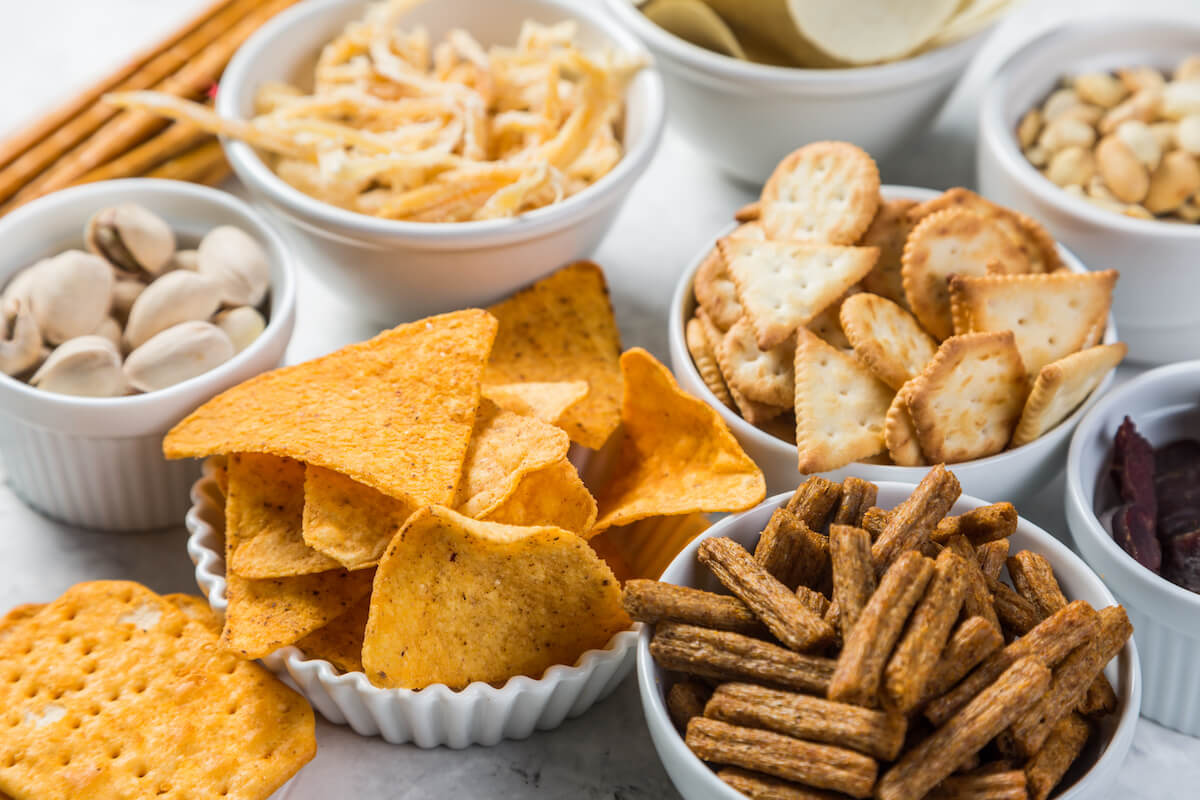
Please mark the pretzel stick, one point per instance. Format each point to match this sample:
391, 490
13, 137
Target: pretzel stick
215, 175
191, 165
175, 140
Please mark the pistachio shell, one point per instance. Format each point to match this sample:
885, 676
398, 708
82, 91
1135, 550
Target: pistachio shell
132, 237
86, 366
242, 325
110, 329
175, 297
237, 263
16, 293
24, 350
125, 292
180, 352
185, 259
70, 295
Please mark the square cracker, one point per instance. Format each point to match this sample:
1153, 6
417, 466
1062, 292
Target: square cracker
705, 359
1050, 315
889, 231
823, 192
1061, 386
966, 403
713, 286
900, 435
783, 285
886, 338
110, 691
840, 406
764, 376
752, 411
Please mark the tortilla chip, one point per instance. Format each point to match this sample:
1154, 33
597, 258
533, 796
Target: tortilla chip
340, 642
677, 456
394, 412
457, 600
504, 448
544, 400
645, 548
264, 516
348, 521
562, 329
554, 495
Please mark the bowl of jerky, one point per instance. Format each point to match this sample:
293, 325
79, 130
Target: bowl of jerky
1134, 510
884, 640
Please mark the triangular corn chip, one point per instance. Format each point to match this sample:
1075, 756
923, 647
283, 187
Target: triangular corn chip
341, 641
544, 400
349, 521
554, 495
1061, 386
643, 549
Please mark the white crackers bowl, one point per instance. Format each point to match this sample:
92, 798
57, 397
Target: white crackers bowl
434, 716
1016, 474
695, 781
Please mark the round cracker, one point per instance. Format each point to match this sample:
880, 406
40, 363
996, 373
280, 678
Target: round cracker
886, 338
888, 231
823, 192
900, 435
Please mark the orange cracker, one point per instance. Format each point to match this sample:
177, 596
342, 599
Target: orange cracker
889, 230
822, 192
886, 338
1060, 387
349, 521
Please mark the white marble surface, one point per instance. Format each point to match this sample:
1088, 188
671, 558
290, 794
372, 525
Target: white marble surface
54, 47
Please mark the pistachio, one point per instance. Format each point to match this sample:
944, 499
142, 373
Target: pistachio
1141, 141
1188, 134
1066, 132
16, 293
1124, 174
174, 298
237, 263
1188, 69
185, 259
1176, 179
70, 295
24, 349
131, 237
110, 329
125, 292
1071, 166
1181, 98
242, 325
1100, 88
86, 366
176, 354
1029, 128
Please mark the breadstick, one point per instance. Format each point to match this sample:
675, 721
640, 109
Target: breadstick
1048, 766
978, 601
991, 557
874, 520
857, 496
685, 700
1006, 785
814, 501
911, 523
175, 140
654, 601
979, 525
972, 641
792, 552
757, 786
853, 573
191, 165
1034, 578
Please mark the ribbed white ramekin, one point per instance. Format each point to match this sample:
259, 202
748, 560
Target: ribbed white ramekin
480, 714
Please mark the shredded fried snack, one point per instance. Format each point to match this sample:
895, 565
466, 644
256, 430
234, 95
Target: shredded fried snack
400, 128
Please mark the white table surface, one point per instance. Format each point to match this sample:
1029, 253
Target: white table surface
55, 47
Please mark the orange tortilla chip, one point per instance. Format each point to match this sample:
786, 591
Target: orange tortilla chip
349, 521
340, 642
394, 412
645, 548
677, 456
264, 510
544, 400
562, 329
555, 496
458, 600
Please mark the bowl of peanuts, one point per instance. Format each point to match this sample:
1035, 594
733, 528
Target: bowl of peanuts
1094, 129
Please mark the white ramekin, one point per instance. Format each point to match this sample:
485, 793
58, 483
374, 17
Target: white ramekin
395, 271
696, 781
97, 462
1016, 474
745, 117
434, 716
1154, 302
1164, 403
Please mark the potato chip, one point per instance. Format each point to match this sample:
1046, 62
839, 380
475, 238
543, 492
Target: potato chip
457, 600
676, 457
264, 519
349, 521
888, 231
824, 192
645, 548
504, 448
544, 400
1061, 386
554, 496
869, 31
341, 641
562, 329
886, 338
394, 412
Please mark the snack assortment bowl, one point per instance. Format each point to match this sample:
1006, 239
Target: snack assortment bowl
97, 462
1153, 303
1015, 474
393, 271
437, 715
745, 117
696, 781
1165, 405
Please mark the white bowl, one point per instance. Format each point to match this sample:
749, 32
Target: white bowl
436, 715
1164, 403
1154, 301
745, 117
97, 462
1016, 474
694, 779
393, 270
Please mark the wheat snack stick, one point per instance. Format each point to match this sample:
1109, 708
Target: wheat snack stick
176, 139
874, 733
874, 520
757, 786
653, 602
1034, 578
972, 641
1100, 698
992, 556
1048, 766
215, 175
1050, 642
866, 649
814, 500
979, 525
726, 656
999, 785
816, 601
911, 523
819, 765
857, 496
853, 573
966, 732
978, 601
1017, 615
779, 609
916, 656
791, 552
686, 699
1072, 677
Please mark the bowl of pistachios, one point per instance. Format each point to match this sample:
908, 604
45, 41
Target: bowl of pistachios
125, 305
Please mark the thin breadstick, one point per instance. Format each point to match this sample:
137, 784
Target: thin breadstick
853, 573
192, 164
175, 140
910, 524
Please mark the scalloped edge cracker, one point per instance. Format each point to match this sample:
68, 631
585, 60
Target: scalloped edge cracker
713, 285
840, 406
889, 231
823, 192
764, 376
753, 412
706, 360
900, 435
886, 338
1061, 386
966, 403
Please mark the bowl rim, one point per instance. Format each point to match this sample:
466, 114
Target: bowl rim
761, 439
1002, 141
912, 69
239, 80
1081, 493
282, 292
651, 694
